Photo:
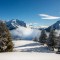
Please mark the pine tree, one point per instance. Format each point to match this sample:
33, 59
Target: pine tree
57, 45
52, 38
43, 37
6, 44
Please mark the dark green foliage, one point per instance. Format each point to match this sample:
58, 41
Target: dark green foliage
51, 42
57, 45
6, 44
43, 37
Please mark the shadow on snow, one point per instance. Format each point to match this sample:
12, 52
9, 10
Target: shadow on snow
40, 48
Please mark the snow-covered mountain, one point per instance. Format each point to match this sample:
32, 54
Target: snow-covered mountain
13, 24
55, 26
19, 30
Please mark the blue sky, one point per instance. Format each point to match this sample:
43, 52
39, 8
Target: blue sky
39, 12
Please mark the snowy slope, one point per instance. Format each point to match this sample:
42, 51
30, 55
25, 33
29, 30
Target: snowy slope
24, 33
28, 55
30, 46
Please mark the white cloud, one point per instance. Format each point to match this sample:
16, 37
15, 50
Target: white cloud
32, 24
43, 26
45, 16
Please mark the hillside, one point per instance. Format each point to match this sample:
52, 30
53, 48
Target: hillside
29, 46
55, 26
29, 50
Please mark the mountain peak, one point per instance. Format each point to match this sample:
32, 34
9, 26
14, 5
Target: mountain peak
14, 23
55, 26
58, 21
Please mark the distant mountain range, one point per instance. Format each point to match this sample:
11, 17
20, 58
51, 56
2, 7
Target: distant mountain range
19, 30
14, 23
55, 26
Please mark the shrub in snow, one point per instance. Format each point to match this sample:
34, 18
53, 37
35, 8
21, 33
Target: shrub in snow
6, 44
43, 37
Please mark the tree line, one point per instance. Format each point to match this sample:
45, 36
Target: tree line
52, 40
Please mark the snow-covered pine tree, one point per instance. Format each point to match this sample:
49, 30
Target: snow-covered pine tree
43, 37
57, 45
51, 39
6, 44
